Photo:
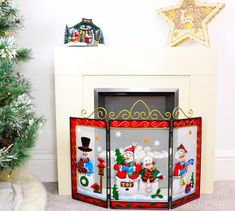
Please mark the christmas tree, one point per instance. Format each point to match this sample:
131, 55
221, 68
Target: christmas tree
115, 192
119, 158
192, 180
19, 125
66, 34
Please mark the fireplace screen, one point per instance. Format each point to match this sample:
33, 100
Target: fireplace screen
136, 163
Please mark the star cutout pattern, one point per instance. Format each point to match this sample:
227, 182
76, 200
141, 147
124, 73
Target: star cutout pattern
189, 20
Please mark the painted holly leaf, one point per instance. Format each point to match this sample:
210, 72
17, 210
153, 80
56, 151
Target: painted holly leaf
154, 196
128, 205
153, 203
160, 196
118, 205
158, 190
164, 206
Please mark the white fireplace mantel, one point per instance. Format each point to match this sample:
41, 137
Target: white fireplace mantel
79, 70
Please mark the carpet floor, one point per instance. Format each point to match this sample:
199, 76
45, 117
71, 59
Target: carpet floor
223, 199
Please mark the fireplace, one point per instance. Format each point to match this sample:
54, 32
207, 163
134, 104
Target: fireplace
76, 79
117, 100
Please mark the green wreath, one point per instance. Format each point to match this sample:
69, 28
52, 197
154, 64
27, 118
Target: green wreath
84, 181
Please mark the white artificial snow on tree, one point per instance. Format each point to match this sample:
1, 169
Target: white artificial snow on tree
7, 47
6, 156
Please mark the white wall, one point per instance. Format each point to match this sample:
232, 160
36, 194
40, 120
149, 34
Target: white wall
124, 23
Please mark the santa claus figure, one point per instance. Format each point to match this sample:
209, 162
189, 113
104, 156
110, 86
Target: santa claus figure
181, 166
129, 169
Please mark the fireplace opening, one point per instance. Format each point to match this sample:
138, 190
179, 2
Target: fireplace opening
116, 100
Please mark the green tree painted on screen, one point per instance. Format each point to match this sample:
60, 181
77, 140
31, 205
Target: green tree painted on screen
119, 157
115, 193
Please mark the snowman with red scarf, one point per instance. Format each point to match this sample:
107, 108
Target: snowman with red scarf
180, 170
127, 176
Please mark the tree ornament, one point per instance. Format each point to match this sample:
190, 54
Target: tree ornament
189, 20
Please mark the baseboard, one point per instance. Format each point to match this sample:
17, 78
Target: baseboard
43, 165
224, 165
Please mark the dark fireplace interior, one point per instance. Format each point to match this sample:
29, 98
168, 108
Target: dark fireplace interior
116, 100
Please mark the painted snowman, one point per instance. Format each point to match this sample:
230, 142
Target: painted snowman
127, 176
85, 166
149, 177
180, 171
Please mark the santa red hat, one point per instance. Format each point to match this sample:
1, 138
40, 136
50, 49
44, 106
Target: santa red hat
130, 149
181, 146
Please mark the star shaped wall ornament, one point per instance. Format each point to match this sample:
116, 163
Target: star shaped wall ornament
189, 20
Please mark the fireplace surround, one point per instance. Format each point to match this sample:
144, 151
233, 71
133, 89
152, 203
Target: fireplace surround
78, 71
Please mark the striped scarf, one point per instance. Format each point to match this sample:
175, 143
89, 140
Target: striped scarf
148, 175
80, 165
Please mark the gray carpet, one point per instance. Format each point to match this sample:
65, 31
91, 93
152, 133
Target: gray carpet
223, 199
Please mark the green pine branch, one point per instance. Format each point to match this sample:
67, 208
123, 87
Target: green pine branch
19, 124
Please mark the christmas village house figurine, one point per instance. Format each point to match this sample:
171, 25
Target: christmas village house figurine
85, 33
84, 165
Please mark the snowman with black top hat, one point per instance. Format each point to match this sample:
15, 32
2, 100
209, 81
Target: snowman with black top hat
84, 165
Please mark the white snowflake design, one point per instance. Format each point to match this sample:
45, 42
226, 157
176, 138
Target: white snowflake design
99, 148
156, 143
118, 134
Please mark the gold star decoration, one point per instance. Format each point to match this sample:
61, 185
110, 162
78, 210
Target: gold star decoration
146, 140
97, 138
189, 20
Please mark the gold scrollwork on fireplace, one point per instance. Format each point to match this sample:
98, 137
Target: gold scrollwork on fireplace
144, 114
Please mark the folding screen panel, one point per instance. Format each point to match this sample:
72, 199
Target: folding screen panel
136, 163
186, 161
88, 160
139, 164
